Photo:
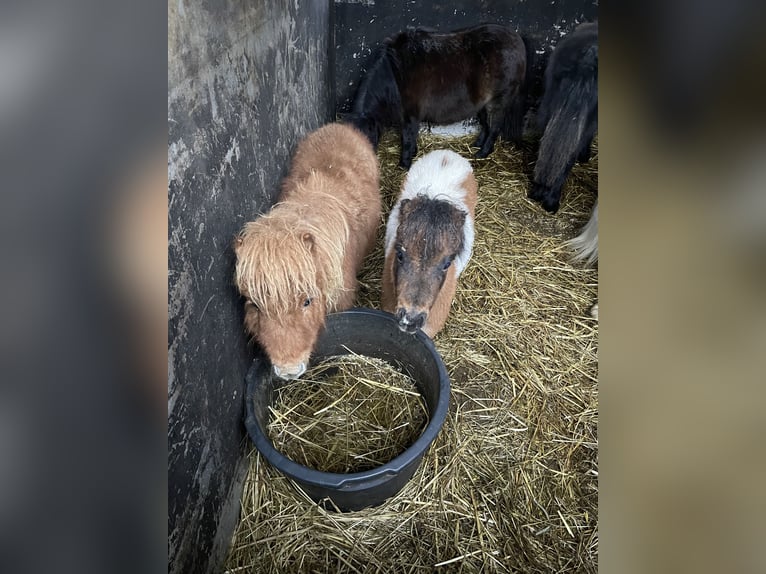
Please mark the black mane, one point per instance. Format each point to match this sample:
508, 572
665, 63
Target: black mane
377, 103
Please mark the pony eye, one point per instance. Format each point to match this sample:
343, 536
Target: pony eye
307, 302
446, 264
399, 254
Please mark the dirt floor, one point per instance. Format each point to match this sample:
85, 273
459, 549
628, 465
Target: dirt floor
511, 483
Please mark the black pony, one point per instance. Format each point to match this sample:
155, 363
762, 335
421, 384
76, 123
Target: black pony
568, 114
424, 75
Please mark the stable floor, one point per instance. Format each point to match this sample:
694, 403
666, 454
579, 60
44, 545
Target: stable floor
511, 483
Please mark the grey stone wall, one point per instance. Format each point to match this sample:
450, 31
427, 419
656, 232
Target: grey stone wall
246, 81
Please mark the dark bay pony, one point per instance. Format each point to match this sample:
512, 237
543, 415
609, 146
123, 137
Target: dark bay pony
568, 114
423, 75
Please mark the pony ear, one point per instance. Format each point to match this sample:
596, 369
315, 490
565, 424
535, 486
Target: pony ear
458, 220
237, 243
308, 241
403, 207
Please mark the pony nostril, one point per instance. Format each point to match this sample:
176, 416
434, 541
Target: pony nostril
418, 320
291, 372
410, 322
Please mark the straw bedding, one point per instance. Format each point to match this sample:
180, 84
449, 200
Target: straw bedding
511, 482
347, 414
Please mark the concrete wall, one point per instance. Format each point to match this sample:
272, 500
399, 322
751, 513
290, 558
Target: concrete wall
246, 80
362, 24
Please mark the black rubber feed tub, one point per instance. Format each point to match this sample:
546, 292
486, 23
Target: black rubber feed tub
374, 334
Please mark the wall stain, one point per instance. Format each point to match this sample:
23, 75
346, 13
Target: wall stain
246, 81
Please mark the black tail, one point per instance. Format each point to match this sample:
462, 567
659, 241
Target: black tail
569, 117
513, 119
513, 125
530, 47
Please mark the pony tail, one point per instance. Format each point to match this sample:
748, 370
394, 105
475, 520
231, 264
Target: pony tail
585, 245
529, 47
513, 123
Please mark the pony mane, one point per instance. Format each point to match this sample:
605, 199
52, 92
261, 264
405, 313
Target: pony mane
377, 97
279, 267
433, 219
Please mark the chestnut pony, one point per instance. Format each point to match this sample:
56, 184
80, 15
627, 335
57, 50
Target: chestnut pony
568, 114
429, 239
423, 75
300, 260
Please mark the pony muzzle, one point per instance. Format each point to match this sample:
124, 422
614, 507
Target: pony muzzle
289, 372
409, 321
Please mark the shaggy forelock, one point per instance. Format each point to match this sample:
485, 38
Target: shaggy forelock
277, 268
428, 226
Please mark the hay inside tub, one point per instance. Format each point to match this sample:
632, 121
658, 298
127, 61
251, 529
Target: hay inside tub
511, 482
347, 414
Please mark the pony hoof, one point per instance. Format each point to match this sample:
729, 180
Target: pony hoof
545, 197
405, 164
550, 207
483, 153
536, 192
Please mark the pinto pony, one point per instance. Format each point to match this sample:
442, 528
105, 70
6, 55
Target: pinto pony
300, 260
568, 114
423, 75
429, 239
